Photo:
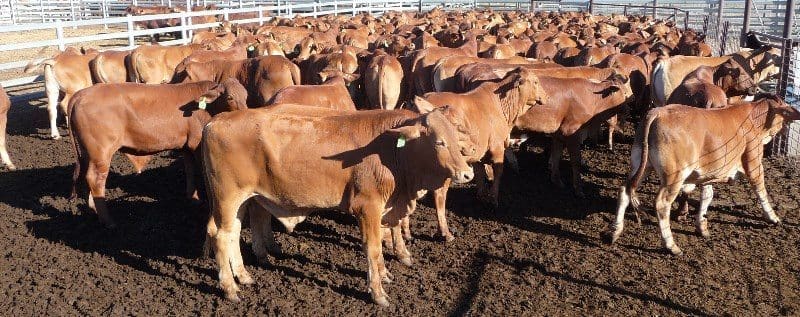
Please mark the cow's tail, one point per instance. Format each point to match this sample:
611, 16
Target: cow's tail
78, 171
295, 73
658, 83
643, 139
133, 71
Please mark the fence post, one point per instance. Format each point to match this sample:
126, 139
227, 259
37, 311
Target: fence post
420, 6
354, 7
188, 23
314, 7
41, 10
225, 14
745, 22
11, 7
60, 35
788, 21
655, 11
169, 3
625, 10
336, 7
72, 10
131, 41
591, 6
260, 16
786, 62
240, 4
719, 18
104, 7
686, 20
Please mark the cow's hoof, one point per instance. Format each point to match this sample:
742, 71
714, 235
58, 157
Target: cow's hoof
407, 261
705, 234
233, 298
775, 221
609, 236
675, 250
383, 301
448, 238
55, 137
387, 277
11, 167
246, 279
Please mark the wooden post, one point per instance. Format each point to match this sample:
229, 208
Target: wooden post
131, 41
60, 35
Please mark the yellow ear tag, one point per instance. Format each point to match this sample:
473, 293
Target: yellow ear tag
202, 103
251, 48
401, 142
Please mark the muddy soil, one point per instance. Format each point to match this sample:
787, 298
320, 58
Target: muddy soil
539, 254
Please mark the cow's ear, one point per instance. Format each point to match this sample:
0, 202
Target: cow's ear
406, 133
789, 113
422, 105
210, 96
323, 75
349, 78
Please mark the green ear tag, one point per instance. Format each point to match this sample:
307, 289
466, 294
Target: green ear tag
202, 103
251, 48
401, 142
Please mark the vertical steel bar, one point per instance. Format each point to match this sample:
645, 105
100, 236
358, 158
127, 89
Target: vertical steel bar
745, 22
260, 16
41, 10
655, 13
788, 20
13, 13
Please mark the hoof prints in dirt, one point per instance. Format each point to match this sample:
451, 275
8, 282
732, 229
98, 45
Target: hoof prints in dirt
539, 253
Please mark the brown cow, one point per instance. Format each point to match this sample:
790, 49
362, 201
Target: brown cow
64, 75
689, 147
155, 64
569, 114
383, 81
710, 87
343, 62
490, 109
443, 74
109, 67
669, 73
141, 119
372, 164
5, 104
332, 93
262, 76
424, 60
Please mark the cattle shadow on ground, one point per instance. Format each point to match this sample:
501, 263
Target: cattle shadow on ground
36, 123
483, 258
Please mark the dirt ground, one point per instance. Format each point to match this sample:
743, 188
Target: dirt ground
539, 254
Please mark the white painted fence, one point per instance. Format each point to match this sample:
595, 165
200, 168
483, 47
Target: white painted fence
128, 33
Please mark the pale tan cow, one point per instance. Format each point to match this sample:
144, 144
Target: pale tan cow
689, 147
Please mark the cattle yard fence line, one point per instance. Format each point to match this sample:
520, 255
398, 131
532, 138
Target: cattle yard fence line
126, 31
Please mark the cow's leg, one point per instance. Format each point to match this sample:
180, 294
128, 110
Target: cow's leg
188, 163
52, 89
615, 229
370, 223
497, 167
440, 198
683, 206
555, 159
64, 105
400, 250
574, 148
3, 150
388, 244
406, 224
666, 195
261, 227
481, 178
138, 162
701, 223
211, 232
96, 176
226, 243
613, 124
756, 177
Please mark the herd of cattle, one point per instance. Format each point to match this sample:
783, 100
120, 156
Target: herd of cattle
367, 114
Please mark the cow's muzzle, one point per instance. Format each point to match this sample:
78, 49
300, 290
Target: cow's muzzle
464, 176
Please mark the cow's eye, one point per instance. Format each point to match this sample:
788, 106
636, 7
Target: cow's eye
440, 143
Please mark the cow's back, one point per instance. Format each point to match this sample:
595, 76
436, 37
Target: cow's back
669, 73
